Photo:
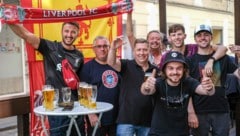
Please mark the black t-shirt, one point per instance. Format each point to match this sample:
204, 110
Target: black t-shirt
52, 62
134, 107
218, 102
170, 117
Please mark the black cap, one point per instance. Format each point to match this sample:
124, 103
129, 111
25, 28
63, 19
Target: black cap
174, 56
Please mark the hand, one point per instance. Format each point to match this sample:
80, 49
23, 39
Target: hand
206, 82
234, 48
209, 67
93, 118
149, 84
118, 42
124, 6
193, 120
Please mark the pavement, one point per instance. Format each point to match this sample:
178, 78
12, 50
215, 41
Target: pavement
8, 127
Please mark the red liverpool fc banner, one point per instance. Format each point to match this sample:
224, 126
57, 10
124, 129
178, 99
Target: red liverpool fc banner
44, 18
18, 14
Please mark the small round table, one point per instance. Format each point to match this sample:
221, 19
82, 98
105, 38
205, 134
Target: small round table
72, 114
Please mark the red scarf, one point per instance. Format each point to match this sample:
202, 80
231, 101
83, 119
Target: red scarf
16, 14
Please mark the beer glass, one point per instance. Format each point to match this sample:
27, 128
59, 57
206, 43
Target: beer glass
82, 93
93, 97
48, 97
56, 97
66, 94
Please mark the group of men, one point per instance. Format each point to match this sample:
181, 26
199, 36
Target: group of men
185, 91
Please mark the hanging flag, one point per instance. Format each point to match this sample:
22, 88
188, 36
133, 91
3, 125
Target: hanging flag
44, 19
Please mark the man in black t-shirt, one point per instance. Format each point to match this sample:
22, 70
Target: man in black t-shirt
135, 109
212, 111
171, 92
52, 65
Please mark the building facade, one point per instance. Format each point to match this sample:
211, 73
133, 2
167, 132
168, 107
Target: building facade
216, 13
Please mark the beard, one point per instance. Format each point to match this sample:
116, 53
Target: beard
68, 42
175, 79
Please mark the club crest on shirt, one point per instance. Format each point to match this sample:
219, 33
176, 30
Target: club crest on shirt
109, 78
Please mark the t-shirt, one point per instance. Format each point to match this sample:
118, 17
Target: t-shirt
218, 102
52, 62
107, 81
170, 117
134, 107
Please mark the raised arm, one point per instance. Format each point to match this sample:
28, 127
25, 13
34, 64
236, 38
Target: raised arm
129, 30
112, 59
23, 33
220, 51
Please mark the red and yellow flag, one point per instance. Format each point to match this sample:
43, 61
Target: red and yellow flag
106, 23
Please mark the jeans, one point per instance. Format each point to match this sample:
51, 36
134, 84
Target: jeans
59, 125
218, 122
130, 130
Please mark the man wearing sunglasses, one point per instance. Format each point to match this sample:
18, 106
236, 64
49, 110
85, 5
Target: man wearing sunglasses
98, 72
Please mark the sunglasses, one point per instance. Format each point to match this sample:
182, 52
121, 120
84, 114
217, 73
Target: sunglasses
105, 46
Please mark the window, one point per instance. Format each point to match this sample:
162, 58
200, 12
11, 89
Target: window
13, 70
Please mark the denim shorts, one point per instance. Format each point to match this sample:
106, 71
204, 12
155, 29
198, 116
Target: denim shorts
130, 130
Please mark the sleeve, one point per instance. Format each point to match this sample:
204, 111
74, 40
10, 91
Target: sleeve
160, 82
123, 65
188, 61
81, 63
46, 46
85, 73
231, 65
192, 84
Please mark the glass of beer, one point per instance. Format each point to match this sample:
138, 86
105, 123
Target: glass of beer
82, 95
93, 97
66, 94
48, 97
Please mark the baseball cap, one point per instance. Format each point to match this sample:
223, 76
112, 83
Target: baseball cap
201, 28
174, 56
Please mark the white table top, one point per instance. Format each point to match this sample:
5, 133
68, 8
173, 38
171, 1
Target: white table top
77, 110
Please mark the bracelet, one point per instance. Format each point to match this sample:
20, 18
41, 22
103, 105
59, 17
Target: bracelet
212, 58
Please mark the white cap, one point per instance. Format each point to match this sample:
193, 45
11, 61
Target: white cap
202, 27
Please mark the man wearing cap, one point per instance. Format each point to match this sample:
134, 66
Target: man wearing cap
171, 92
212, 111
177, 36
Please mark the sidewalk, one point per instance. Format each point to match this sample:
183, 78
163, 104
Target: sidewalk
8, 127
